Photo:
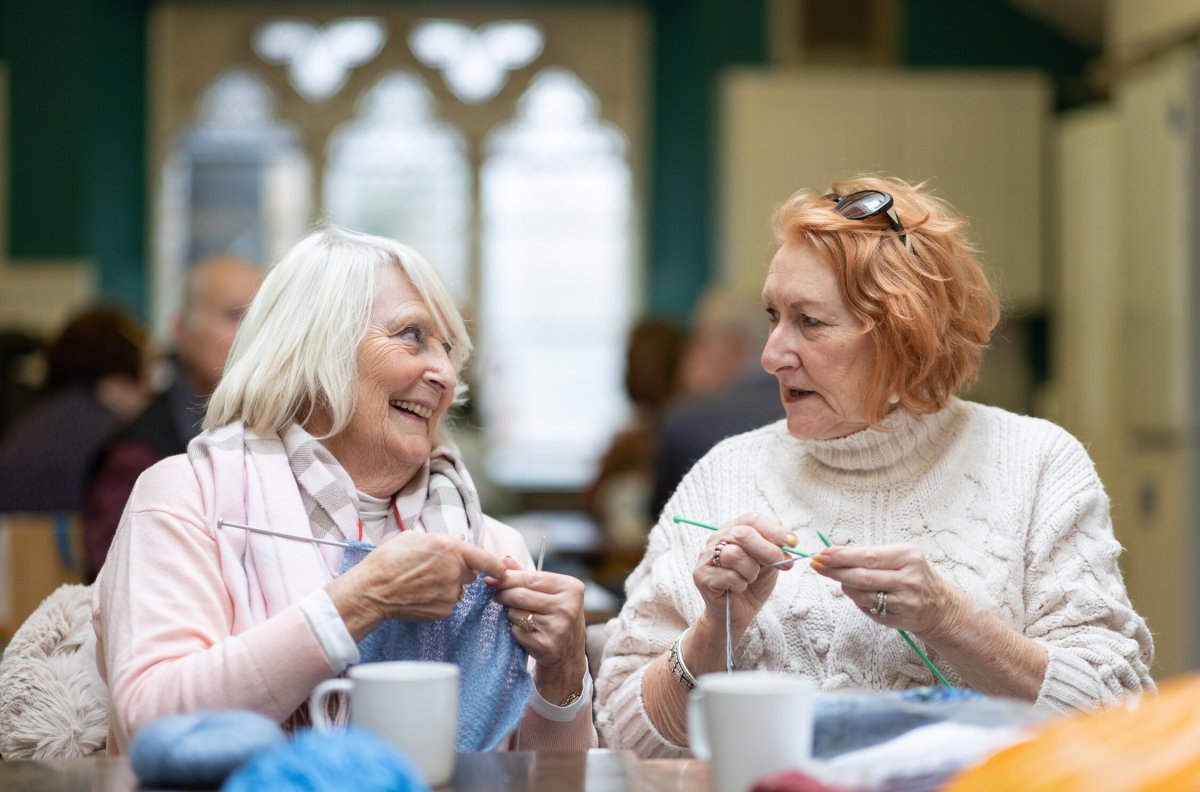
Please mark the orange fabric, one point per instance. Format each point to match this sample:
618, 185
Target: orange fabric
1153, 747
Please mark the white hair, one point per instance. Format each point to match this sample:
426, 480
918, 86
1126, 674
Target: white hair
296, 349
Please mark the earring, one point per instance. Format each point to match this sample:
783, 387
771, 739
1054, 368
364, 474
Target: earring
894, 398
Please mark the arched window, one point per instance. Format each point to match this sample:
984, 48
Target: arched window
556, 287
236, 181
398, 171
478, 140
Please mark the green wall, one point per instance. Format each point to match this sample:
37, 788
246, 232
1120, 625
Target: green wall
693, 43
995, 33
77, 117
77, 77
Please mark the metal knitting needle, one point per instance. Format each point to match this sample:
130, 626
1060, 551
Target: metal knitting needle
728, 636
785, 562
227, 523
541, 558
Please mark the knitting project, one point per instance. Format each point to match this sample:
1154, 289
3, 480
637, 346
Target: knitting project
494, 683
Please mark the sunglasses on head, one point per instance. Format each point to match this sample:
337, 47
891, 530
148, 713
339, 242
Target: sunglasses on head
865, 204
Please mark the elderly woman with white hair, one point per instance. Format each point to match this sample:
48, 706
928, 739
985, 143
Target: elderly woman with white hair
231, 584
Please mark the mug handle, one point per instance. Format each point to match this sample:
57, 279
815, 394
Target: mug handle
316, 703
697, 731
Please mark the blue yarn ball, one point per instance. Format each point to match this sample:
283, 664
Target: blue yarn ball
200, 749
332, 762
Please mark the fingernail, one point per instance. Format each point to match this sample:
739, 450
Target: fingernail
790, 540
510, 558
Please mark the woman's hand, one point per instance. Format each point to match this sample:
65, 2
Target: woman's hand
747, 546
546, 611
414, 576
918, 599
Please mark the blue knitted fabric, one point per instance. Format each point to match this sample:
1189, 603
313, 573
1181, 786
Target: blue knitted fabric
200, 749
355, 759
494, 684
850, 721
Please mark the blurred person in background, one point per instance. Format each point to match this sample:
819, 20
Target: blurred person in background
95, 384
217, 294
18, 392
725, 389
619, 496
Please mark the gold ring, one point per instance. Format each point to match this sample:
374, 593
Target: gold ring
462, 592
716, 559
526, 624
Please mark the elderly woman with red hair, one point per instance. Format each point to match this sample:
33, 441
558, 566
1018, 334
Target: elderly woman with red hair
984, 535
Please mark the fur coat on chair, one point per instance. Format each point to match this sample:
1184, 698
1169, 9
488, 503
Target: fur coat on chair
53, 703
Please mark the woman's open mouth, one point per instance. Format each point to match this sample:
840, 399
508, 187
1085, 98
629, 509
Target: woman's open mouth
412, 408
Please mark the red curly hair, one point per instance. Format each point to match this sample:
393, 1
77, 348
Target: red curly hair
925, 302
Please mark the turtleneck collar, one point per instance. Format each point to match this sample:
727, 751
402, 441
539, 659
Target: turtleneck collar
904, 445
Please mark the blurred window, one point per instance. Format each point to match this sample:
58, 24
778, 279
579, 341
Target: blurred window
397, 171
556, 284
475, 61
453, 136
319, 59
236, 181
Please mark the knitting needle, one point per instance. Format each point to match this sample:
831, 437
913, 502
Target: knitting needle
541, 558
227, 523
907, 638
728, 636
784, 548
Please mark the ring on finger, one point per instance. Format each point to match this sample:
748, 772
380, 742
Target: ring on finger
880, 606
526, 624
716, 559
462, 592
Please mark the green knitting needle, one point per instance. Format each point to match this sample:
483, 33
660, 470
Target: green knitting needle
907, 638
708, 527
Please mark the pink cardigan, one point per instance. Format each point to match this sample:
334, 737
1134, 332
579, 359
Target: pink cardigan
164, 623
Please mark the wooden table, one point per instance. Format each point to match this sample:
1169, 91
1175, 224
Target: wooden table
594, 771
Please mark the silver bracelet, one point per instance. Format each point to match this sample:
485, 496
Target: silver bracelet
679, 669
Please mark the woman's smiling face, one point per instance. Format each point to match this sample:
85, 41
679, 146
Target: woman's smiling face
405, 385
817, 349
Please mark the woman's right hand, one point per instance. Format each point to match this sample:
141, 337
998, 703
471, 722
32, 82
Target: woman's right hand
414, 576
748, 545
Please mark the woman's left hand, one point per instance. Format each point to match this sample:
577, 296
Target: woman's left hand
917, 599
546, 611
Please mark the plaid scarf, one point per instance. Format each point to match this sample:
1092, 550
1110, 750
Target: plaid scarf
293, 485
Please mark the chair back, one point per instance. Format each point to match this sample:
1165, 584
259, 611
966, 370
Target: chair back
38, 553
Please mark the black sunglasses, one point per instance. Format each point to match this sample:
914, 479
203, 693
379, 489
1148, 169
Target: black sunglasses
865, 204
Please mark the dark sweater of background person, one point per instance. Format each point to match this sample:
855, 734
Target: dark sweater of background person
163, 430
93, 386
726, 390
693, 426
217, 294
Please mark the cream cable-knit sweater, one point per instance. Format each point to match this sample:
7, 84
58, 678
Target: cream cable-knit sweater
1007, 507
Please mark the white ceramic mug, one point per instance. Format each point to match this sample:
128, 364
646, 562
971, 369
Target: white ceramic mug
750, 724
412, 705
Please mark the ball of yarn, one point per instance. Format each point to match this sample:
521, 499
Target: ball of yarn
200, 749
329, 762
